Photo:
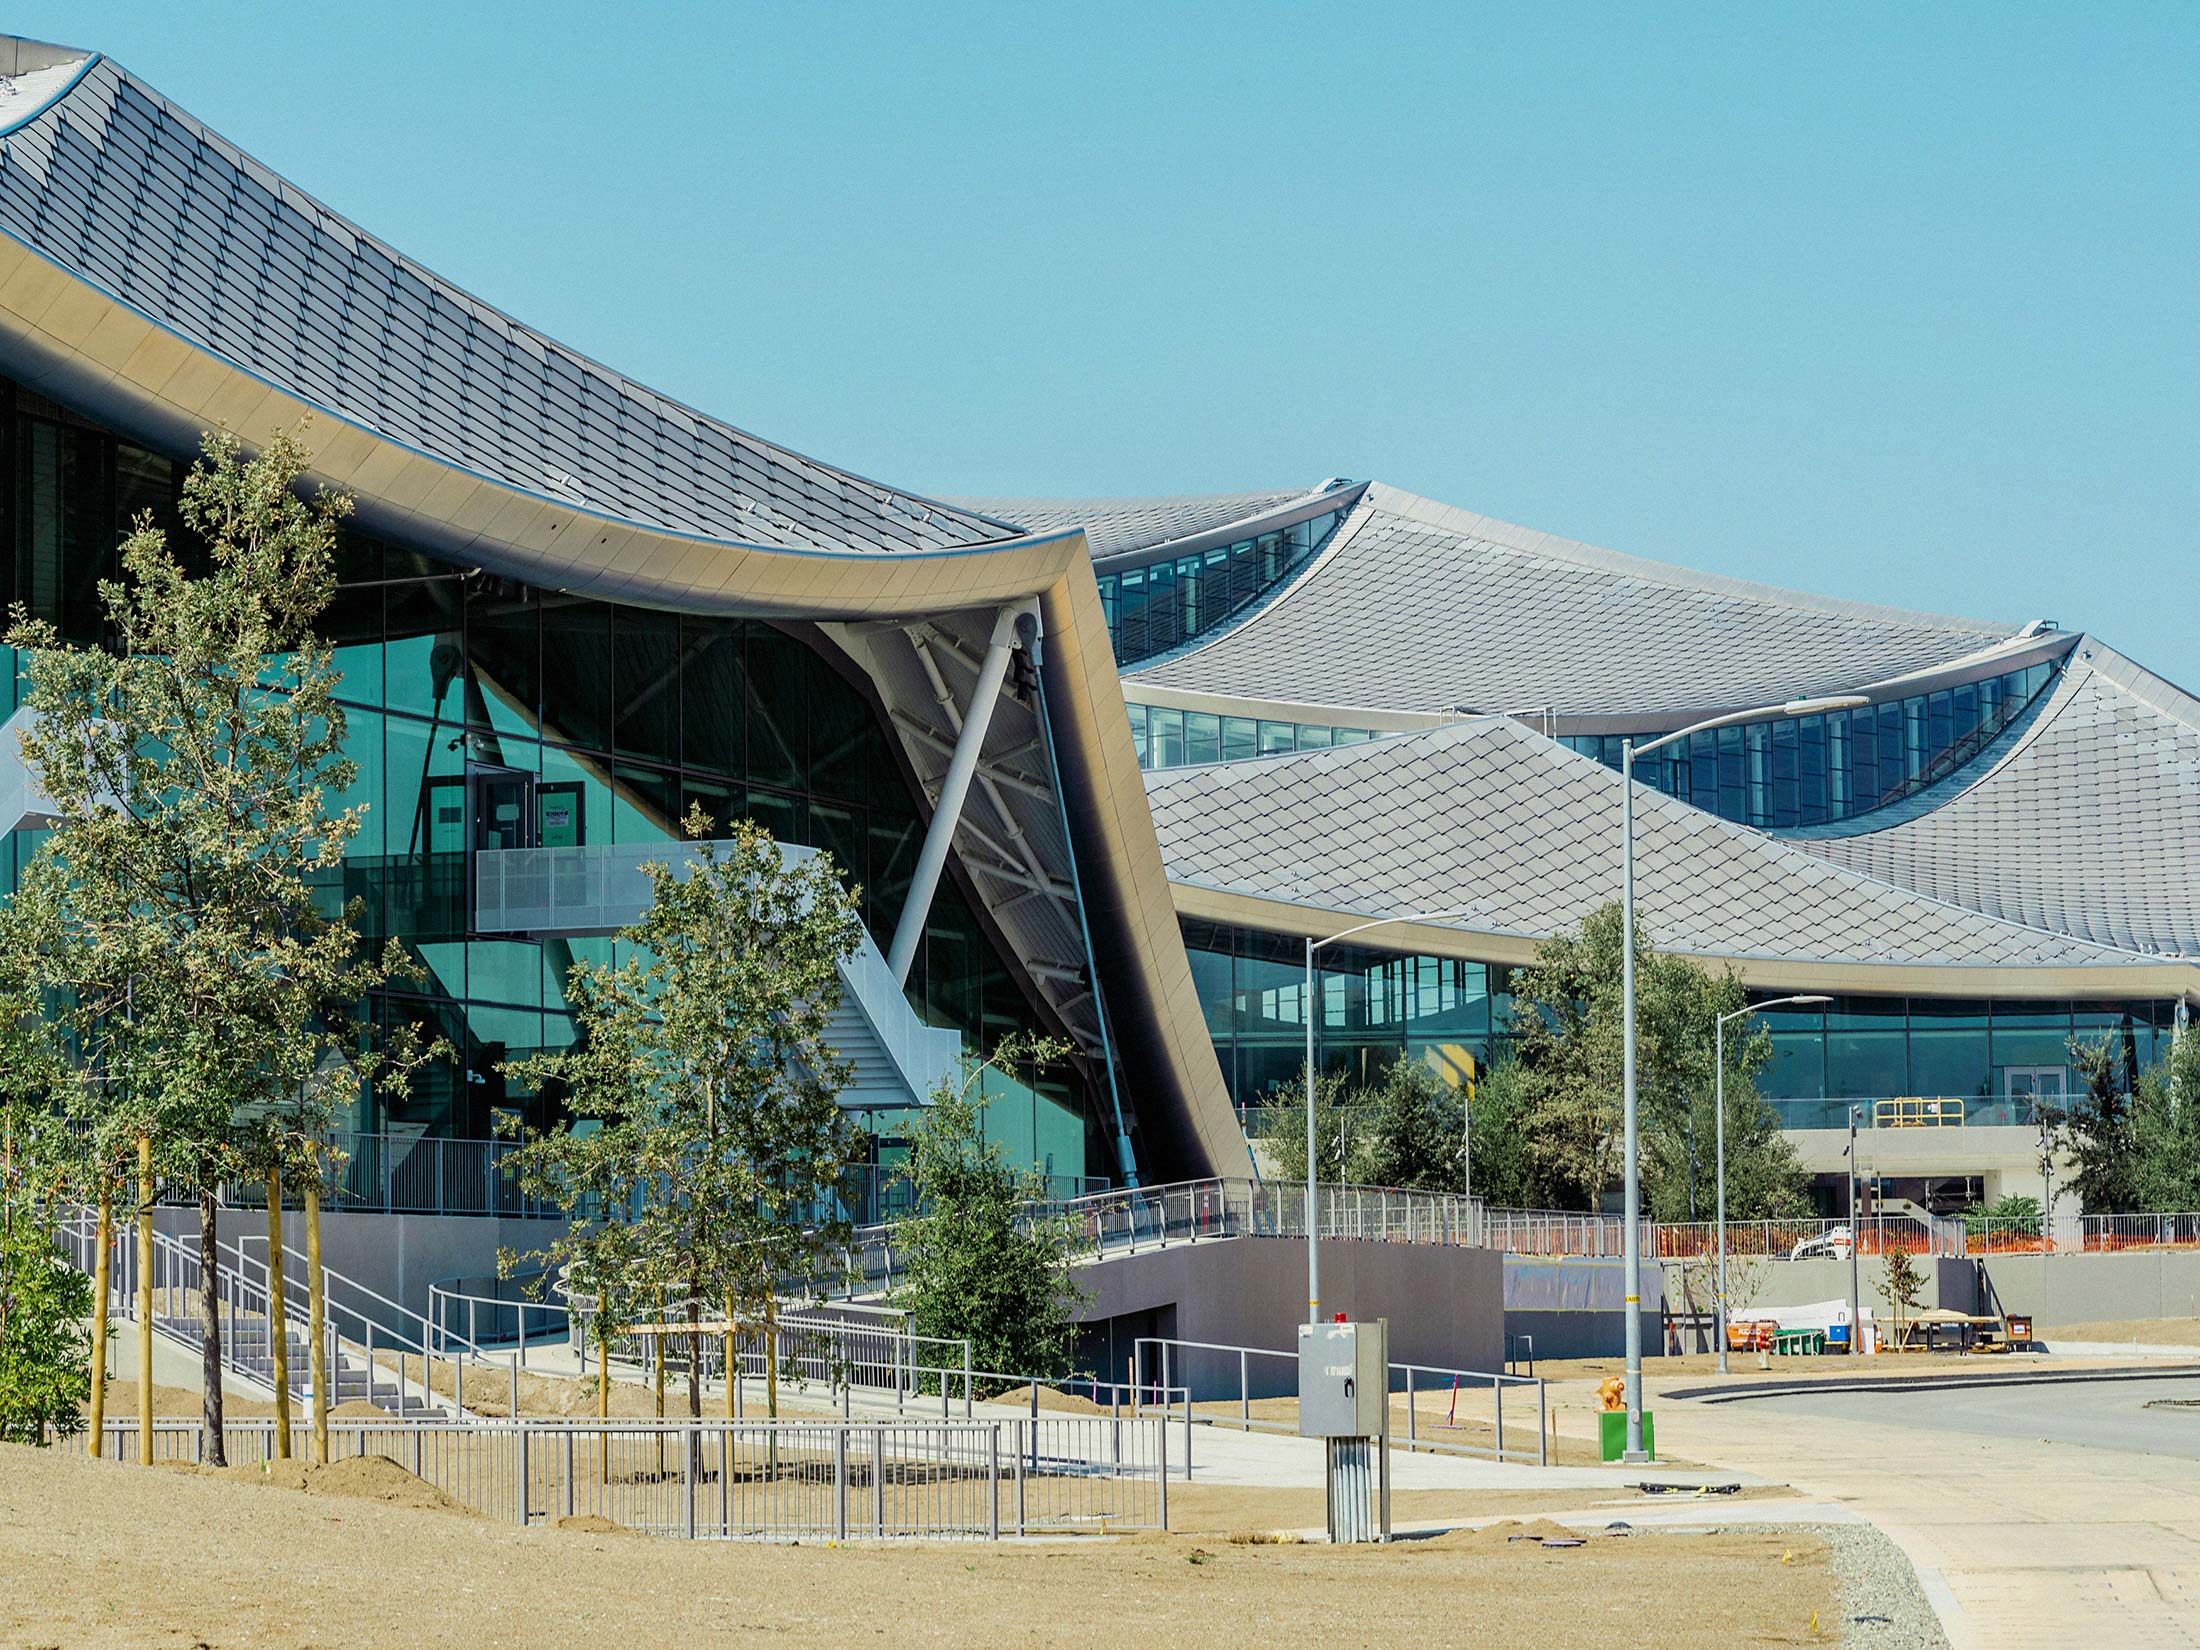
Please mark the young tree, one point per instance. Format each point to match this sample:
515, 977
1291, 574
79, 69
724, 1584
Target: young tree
1503, 1111
45, 1354
174, 913
1284, 1132
1410, 1130
1901, 1286
2098, 1130
976, 1264
2165, 1130
1568, 1026
702, 1093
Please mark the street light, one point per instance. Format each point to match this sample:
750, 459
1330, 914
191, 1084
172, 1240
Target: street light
1633, 1199
1718, 1039
1313, 1163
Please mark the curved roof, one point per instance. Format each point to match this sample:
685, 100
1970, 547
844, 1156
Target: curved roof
127, 192
1116, 526
155, 278
2087, 822
1418, 607
1522, 836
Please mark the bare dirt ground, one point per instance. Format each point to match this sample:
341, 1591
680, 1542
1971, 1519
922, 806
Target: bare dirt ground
1227, 1509
99, 1555
2144, 1331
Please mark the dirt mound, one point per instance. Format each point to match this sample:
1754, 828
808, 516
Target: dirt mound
590, 1524
359, 1477
1051, 1401
378, 1478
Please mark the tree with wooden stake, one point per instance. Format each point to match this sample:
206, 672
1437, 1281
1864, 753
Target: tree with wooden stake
178, 914
1902, 1287
702, 1093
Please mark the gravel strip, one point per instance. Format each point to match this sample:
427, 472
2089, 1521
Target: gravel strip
1880, 1602
1876, 1579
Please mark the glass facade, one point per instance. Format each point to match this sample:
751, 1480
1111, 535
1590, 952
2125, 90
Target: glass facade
1151, 609
488, 714
1374, 1006
1814, 770
2000, 1057
1170, 738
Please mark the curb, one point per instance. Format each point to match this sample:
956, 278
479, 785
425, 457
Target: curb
1929, 1383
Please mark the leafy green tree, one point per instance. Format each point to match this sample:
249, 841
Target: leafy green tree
177, 915
702, 1092
2098, 1130
45, 1353
1410, 1130
1568, 1025
2165, 1130
975, 1263
1503, 1114
1284, 1129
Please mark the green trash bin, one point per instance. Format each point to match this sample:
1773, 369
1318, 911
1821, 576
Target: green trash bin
1612, 1424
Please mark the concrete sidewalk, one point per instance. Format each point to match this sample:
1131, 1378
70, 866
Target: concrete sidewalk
2018, 1539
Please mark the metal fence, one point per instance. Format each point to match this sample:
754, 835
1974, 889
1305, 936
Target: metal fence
2080, 1234
753, 1480
1127, 1220
1557, 1232
1259, 1373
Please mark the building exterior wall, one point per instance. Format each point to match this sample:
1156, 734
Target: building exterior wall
1446, 1305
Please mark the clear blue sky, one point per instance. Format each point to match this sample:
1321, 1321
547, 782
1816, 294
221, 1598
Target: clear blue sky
1899, 303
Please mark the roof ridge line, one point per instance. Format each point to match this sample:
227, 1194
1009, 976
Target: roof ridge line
237, 155
1530, 541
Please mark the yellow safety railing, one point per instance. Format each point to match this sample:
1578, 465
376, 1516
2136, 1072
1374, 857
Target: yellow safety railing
1913, 1112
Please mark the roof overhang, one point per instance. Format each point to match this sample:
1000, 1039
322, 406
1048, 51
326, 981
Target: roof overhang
2094, 980
84, 348
71, 340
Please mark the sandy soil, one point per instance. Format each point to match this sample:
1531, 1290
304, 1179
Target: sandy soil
1225, 1509
100, 1555
173, 1401
2145, 1331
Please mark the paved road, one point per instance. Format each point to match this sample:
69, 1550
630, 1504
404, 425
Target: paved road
2097, 1414
2088, 1541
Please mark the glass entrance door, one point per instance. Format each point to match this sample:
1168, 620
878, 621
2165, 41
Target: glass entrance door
502, 817
2025, 1087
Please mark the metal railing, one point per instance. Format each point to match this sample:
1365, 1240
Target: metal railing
1558, 1232
1127, 1220
2079, 1234
370, 1342
1196, 1363
754, 1480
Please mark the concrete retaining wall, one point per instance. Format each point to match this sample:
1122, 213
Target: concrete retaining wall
2052, 1289
2063, 1289
1574, 1307
1446, 1306
1949, 1283
394, 1255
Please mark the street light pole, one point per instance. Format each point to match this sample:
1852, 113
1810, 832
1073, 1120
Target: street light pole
1718, 1039
1856, 1328
1631, 1164
1313, 1161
